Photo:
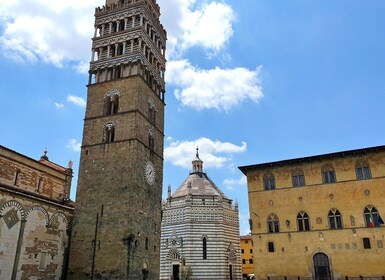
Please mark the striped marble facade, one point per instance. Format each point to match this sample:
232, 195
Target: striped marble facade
200, 229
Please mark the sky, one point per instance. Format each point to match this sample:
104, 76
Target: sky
247, 82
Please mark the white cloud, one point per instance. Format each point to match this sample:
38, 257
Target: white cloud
213, 153
74, 145
53, 32
59, 32
77, 100
196, 23
59, 105
233, 182
216, 88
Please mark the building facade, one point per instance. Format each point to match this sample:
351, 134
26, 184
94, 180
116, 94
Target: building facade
321, 213
247, 256
35, 217
116, 232
200, 231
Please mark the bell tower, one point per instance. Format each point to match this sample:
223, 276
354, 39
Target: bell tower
116, 229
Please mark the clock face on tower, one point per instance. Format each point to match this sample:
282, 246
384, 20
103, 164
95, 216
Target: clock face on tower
149, 173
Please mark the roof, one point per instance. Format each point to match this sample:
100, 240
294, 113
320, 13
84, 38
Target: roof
245, 237
200, 185
301, 160
43, 160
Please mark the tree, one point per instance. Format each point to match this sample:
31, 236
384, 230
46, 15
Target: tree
185, 272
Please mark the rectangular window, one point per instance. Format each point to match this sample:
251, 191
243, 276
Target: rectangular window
243, 261
246, 241
251, 261
363, 173
360, 174
367, 172
251, 251
269, 184
270, 246
366, 242
243, 251
328, 177
298, 180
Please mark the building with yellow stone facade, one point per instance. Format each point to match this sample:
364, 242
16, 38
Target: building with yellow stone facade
319, 216
247, 256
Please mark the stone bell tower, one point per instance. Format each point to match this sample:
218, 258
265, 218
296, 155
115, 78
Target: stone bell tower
116, 230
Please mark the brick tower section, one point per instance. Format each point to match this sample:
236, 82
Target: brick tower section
116, 229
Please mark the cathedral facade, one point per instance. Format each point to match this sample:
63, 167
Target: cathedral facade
35, 217
116, 230
200, 231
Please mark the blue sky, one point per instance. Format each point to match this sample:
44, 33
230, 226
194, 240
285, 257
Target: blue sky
247, 81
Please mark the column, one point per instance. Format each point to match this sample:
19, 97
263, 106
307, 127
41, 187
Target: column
100, 53
110, 28
133, 21
108, 51
18, 249
141, 20
96, 31
116, 49
125, 23
132, 45
124, 47
117, 25
102, 32
93, 55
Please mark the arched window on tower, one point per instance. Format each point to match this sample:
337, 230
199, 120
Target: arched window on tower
151, 142
109, 132
151, 114
204, 245
111, 102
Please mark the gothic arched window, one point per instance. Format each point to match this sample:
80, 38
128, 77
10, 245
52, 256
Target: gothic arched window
372, 218
298, 178
363, 170
335, 221
328, 174
272, 223
303, 221
269, 181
